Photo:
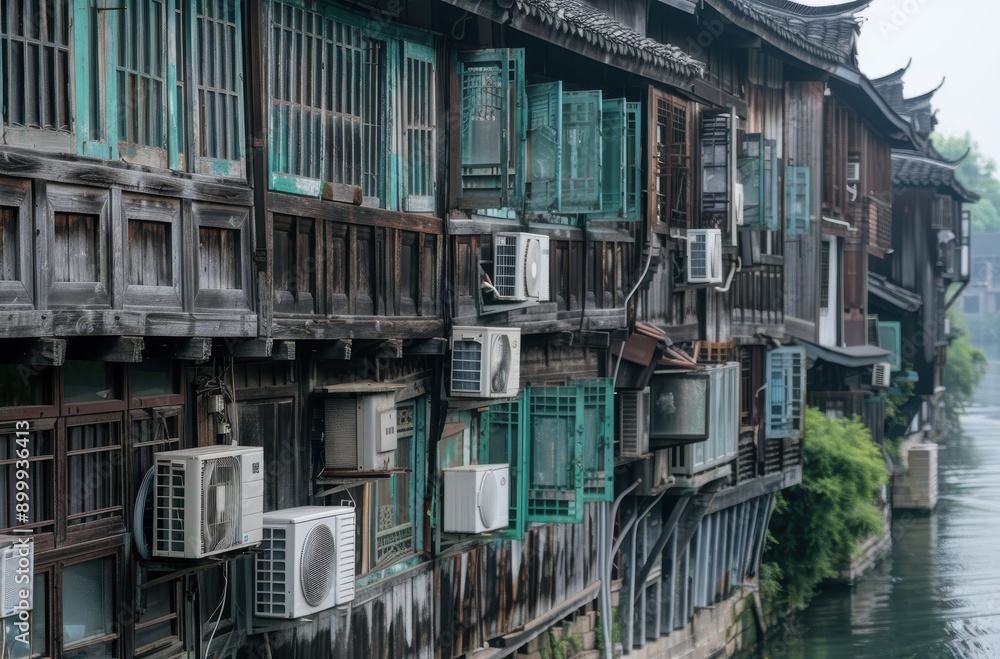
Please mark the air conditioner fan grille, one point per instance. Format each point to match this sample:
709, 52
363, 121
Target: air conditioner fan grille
316, 576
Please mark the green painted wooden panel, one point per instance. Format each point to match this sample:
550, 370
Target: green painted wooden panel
633, 161
544, 187
502, 440
614, 173
890, 338
597, 422
751, 167
771, 185
797, 182
419, 120
555, 460
581, 152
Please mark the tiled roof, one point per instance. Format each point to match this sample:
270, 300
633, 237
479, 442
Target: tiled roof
914, 170
827, 32
576, 18
917, 109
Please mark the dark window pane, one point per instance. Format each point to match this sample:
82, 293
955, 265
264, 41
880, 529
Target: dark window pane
40, 617
153, 377
87, 602
22, 385
88, 382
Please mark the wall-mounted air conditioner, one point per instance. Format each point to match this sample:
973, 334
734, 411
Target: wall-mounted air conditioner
306, 561
521, 266
359, 428
208, 501
704, 256
17, 573
476, 498
485, 362
633, 423
882, 375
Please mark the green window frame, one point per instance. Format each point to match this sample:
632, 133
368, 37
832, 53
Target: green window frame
598, 400
620, 187
492, 128
352, 102
501, 440
785, 393
715, 154
890, 334
797, 184
758, 171
582, 160
544, 189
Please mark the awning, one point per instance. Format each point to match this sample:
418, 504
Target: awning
849, 356
897, 296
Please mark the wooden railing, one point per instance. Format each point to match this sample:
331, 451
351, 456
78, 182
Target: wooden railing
758, 296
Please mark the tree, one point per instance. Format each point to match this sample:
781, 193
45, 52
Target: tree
965, 367
819, 524
977, 173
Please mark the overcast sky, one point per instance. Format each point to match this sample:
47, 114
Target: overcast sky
958, 40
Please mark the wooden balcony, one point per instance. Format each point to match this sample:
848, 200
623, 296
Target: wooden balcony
869, 409
757, 297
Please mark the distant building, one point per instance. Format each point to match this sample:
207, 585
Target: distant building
981, 298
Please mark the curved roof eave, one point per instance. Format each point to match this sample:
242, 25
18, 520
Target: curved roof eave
828, 11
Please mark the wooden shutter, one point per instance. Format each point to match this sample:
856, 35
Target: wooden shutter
492, 128
770, 190
751, 167
890, 338
797, 183
669, 187
597, 421
544, 186
614, 174
581, 152
785, 392
715, 154
555, 447
633, 160
501, 440
419, 128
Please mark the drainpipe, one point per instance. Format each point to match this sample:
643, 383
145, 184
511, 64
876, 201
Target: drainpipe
606, 532
737, 267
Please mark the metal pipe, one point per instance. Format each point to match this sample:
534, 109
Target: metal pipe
732, 272
604, 565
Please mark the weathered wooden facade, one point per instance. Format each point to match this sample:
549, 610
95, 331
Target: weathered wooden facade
218, 217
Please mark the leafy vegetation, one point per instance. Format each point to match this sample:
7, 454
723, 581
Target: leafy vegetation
818, 525
965, 367
979, 174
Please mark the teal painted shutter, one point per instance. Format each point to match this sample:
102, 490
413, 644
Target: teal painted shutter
501, 441
419, 128
751, 168
633, 160
492, 137
219, 90
890, 338
545, 146
555, 445
614, 127
598, 438
785, 400
770, 190
797, 200
581, 152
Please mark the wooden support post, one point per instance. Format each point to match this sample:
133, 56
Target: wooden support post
259, 348
34, 352
195, 349
127, 349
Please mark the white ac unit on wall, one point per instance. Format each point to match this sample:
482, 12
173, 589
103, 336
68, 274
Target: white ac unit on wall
17, 573
633, 428
521, 266
704, 256
306, 561
476, 498
359, 431
485, 362
208, 500
882, 374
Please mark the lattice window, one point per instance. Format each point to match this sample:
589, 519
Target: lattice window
797, 203
394, 498
670, 167
581, 152
142, 74
715, 154
786, 386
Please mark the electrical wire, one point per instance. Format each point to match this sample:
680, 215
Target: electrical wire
220, 608
649, 259
139, 516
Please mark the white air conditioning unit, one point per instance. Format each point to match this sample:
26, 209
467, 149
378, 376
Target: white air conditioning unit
881, 374
476, 498
17, 574
306, 561
521, 266
209, 500
633, 429
359, 431
853, 172
704, 256
485, 362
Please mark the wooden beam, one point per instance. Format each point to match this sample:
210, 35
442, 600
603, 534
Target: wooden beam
385, 349
34, 352
253, 348
283, 350
542, 623
126, 349
197, 349
337, 349
434, 346
349, 194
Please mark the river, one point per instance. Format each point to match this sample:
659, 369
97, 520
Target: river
939, 593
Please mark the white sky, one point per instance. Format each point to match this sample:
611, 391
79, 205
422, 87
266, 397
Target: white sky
958, 40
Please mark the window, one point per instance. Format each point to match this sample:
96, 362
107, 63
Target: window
720, 445
38, 438
715, 155
544, 186
581, 152
797, 204
36, 72
16, 274
500, 443
40, 629
890, 338
88, 609
157, 622
824, 274
759, 174
395, 498
786, 388
336, 88
492, 126
670, 162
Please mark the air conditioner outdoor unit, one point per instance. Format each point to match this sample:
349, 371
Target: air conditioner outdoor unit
521, 266
881, 374
306, 561
209, 500
485, 362
704, 256
633, 427
476, 498
359, 431
17, 573
853, 172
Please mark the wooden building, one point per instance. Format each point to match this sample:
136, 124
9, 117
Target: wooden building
388, 244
